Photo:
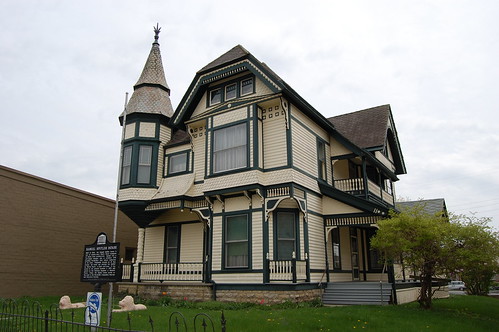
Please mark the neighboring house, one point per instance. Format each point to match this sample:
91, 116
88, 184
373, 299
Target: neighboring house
247, 191
44, 226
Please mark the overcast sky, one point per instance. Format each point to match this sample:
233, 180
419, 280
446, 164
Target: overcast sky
65, 67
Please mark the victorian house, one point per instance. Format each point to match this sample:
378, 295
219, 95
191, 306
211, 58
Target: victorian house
248, 192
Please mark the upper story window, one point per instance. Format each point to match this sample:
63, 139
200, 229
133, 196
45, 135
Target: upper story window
177, 163
247, 86
321, 159
145, 159
138, 165
126, 165
230, 148
231, 90
215, 96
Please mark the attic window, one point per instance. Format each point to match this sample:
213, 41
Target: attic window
230, 91
246, 86
215, 96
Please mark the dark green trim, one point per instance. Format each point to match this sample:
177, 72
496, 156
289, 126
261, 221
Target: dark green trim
249, 219
174, 223
256, 142
296, 214
189, 166
134, 165
289, 138
212, 173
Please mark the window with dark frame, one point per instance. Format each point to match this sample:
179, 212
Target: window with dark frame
230, 91
172, 244
321, 159
230, 148
144, 167
285, 235
126, 165
215, 96
177, 163
246, 86
236, 242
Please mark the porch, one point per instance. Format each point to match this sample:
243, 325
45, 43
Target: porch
289, 271
366, 188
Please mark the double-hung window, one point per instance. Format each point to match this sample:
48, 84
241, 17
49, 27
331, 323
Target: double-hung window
236, 241
126, 165
286, 235
177, 163
172, 244
230, 149
145, 159
230, 91
321, 159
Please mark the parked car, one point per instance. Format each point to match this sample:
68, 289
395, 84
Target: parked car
457, 285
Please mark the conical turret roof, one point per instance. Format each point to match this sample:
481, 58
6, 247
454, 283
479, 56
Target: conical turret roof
151, 92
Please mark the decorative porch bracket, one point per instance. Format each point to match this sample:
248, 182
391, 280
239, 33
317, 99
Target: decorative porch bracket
272, 203
204, 213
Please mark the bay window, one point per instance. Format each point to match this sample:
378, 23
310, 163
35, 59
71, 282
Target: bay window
126, 165
144, 165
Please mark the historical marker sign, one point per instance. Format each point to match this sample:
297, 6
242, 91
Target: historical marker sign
101, 261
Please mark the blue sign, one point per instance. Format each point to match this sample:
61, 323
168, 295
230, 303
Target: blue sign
94, 301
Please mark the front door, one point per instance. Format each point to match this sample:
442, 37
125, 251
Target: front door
354, 248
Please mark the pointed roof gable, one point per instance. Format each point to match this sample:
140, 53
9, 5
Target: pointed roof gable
234, 54
371, 129
366, 128
151, 93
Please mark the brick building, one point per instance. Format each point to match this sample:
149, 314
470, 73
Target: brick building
44, 226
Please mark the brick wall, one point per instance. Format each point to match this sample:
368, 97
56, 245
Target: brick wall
43, 229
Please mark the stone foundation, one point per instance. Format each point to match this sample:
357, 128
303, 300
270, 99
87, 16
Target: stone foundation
204, 292
188, 292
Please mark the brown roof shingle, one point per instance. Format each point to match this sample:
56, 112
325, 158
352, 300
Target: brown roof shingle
366, 128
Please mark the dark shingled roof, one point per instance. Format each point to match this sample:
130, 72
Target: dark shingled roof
233, 54
179, 137
366, 128
430, 206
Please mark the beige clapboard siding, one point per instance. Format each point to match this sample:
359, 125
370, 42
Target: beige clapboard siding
337, 149
191, 243
154, 244
307, 122
198, 143
274, 142
271, 236
317, 254
304, 149
238, 278
332, 206
257, 240
217, 243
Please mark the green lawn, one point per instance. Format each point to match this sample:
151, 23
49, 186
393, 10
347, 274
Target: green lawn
458, 313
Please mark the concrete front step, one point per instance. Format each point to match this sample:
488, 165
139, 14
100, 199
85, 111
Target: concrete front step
351, 293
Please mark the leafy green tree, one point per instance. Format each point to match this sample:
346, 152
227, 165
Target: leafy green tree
421, 240
476, 252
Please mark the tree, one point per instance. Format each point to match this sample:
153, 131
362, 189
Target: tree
476, 252
421, 240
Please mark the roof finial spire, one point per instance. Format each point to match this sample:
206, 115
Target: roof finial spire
157, 30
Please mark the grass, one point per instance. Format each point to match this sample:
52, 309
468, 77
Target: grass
457, 313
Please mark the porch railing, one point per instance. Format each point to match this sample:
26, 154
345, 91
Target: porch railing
288, 270
164, 272
355, 186
170, 272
